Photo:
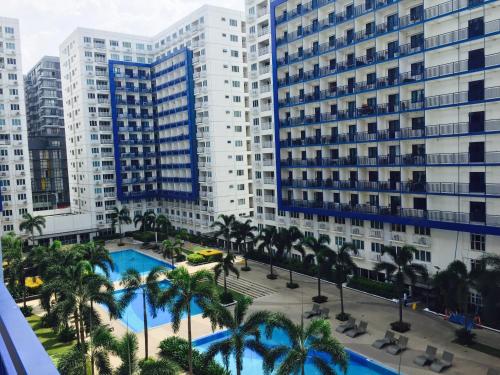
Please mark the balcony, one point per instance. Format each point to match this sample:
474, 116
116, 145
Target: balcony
416, 215
436, 130
20, 350
432, 42
408, 187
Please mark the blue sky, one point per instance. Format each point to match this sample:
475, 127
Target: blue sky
46, 23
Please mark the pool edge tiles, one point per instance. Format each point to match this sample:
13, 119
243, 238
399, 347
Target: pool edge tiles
360, 359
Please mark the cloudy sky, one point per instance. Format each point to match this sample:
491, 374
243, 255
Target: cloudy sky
46, 23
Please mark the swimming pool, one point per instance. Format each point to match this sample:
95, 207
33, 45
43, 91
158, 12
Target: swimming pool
133, 314
252, 362
130, 258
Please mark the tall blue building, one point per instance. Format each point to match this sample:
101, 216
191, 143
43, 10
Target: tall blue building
387, 123
154, 128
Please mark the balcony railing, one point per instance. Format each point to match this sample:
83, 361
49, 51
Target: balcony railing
436, 130
409, 187
432, 42
424, 215
20, 350
461, 158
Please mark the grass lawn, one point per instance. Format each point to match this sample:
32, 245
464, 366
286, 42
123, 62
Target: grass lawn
49, 339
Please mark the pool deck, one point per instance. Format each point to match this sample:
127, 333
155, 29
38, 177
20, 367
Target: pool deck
426, 328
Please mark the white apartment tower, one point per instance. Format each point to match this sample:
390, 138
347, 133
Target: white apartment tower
387, 119
160, 123
261, 111
15, 178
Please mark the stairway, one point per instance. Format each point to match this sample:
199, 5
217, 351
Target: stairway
246, 287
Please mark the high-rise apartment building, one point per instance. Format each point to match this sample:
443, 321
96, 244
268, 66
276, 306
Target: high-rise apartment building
387, 122
46, 141
15, 184
160, 123
261, 111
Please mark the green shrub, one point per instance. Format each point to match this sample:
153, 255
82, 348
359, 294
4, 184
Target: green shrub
464, 336
66, 334
180, 258
143, 236
27, 311
196, 258
162, 367
176, 349
373, 287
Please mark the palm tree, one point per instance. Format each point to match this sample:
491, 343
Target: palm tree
146, 220
98, 256
172, 248
15, 271
119, 217
126, 349
103, 343
185, 289
224, 228
307, 344
162, 224
243, 332
158, 367
487, 281
267, 240
286, 240
453, 285
150, 290
400, 269
323, 255
343, 265
30, 224
243, 232
225, 266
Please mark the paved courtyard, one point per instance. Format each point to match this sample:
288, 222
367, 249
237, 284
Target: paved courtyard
426, 328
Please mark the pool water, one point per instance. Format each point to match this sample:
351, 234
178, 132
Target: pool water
252, 362
133, 314
130, 258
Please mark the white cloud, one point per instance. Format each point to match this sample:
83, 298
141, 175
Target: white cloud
46, 23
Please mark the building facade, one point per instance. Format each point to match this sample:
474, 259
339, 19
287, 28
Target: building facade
137, 148
15, 183
261, 111
46, 140
387, 123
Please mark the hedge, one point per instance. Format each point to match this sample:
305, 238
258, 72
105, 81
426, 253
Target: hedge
196, 258
373, 287
176, 349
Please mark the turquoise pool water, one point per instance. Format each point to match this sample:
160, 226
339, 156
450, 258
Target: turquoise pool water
130, 258
252, 362
133, 314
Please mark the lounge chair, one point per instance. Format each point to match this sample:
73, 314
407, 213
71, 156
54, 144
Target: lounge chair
357, 330
350, 324
400, 346
388, 339
325, 313
438, 365
428, 357
493, 372
314, 312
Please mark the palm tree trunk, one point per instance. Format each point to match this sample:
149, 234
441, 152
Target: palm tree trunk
91, 350
82, 324
271, 261
225, 283
319, 284
145, 315
77, 326
190, 351
400, 308
120, 230
291, 279
341, 299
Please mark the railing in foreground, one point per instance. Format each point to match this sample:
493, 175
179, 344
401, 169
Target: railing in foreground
21, 353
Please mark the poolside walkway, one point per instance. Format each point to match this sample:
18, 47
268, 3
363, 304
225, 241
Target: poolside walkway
426, 328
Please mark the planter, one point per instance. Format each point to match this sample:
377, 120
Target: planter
290, 285
342, 317
272, 276
320, 299
400, 327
